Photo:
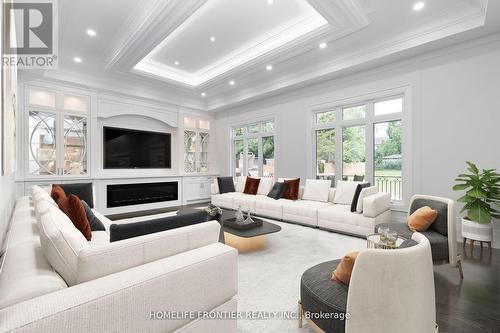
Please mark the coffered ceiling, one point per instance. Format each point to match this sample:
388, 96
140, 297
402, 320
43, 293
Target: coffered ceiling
211, 54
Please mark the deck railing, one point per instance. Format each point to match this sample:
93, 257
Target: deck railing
392, 185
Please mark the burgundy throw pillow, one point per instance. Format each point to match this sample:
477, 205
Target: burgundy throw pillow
251, 186
72, 206
57, 192
292, 189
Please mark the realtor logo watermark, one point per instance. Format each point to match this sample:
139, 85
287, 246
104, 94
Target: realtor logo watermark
32, 40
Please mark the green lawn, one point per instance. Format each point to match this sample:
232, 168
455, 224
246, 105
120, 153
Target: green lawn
393, 173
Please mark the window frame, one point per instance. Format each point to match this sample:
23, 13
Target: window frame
369, 121
245, 137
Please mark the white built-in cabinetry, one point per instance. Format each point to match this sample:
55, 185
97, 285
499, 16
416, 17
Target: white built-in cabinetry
56, 134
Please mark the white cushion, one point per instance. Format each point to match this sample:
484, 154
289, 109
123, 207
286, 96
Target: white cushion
43, 195
345, 192
364, 193
61, 243
317, 190
265, 185
240, 183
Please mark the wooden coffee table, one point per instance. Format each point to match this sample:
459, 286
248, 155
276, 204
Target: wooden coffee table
254, 239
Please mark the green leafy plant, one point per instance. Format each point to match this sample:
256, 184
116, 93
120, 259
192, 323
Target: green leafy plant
482, 193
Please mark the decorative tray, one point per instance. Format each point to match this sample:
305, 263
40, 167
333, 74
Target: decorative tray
232, 224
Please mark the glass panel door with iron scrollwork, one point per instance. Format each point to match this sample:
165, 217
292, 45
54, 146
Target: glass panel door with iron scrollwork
42, 160
75, 145
189, 151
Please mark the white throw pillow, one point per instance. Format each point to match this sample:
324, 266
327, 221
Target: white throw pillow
317, 190
345, 192
61, 242
43, 196
240, 184
265, 185
367, 191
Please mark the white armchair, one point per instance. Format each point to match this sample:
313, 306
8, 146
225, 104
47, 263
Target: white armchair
390, 291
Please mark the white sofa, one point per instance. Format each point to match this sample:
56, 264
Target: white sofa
326, 214
124, 286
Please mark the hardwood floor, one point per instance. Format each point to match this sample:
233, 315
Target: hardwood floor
471, 305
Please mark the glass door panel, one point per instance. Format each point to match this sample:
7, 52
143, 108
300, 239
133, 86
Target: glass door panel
388, 158
204, 144
75, 145
253, 157
353, 153
238, 157
189, 151
325, 154
42, 144
268, 155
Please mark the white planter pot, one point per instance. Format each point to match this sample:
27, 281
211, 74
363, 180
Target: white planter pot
477, 231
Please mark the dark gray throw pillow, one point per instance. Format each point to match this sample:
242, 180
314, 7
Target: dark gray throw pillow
356, 195
226, 184
277, 191
95, 223
81, 190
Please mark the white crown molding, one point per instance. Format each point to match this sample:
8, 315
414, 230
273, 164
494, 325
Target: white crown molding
448, 26
344, 16
145, 28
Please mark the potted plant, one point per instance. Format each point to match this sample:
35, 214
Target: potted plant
481, 202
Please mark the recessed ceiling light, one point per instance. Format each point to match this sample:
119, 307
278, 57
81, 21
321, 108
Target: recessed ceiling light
212, 39
270, 2
322, 45
203, 94
418, 6
77, 59
269, 67
176, 63
91, 32
231, 82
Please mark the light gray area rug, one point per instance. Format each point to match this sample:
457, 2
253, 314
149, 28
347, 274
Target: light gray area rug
269, 280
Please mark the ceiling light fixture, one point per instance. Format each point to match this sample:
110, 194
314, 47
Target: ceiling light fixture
270, 2
212, 39
322, 45
203, 94
231, 82
176, 63
77, 59
418, 6
269, 67
91, 32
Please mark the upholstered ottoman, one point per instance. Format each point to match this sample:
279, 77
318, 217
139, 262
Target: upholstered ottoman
319, 295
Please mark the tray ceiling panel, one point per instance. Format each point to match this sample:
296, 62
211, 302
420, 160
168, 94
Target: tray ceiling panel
222, 35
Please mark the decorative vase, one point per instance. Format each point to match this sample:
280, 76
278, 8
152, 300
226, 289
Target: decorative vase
477, 231
239, 215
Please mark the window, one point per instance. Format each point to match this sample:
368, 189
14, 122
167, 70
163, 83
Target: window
388, 157
253, 149
353, 153
325, 154
362, 143
355, 112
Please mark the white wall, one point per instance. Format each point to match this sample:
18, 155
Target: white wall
7, 199
454, 115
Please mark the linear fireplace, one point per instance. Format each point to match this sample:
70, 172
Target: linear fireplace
137, 194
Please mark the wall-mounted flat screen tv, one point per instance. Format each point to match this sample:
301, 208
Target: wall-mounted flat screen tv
133, 149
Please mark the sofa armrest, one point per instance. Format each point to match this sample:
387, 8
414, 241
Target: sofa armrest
214, 189
376, 204
197, 280
101, 260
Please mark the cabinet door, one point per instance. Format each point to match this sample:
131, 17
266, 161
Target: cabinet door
189, 151
74, 145
204, 153
42, 158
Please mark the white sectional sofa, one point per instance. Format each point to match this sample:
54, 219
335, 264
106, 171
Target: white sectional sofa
53, 280
373, 208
